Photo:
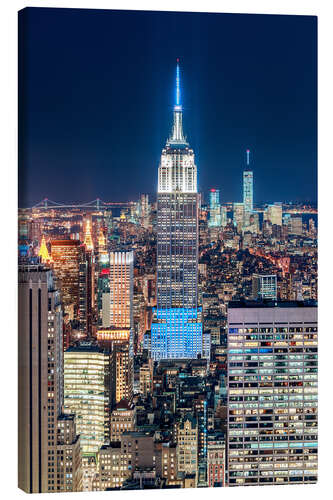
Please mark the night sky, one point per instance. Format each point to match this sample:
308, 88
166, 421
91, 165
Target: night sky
96, 91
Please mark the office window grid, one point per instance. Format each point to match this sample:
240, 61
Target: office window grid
272, 404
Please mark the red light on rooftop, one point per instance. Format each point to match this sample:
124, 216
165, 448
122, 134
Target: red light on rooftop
212, 190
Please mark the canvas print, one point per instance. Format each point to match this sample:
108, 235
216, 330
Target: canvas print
167, 250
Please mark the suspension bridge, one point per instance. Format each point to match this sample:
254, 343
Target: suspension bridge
97, 204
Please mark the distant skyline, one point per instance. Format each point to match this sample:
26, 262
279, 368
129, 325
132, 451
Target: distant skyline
96, 92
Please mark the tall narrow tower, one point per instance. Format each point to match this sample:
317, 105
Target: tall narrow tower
177, 326
247, 187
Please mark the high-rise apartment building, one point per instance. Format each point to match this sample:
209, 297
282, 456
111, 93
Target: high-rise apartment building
87, 393
264, 286
66, 256
177, 326
40, 385
272, 393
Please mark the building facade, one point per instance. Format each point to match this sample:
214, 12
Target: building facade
264, 286
272, 393
87, 393
123, 419
121, 289
273, 214
214, 208
40, 387
69, 471
187, 445
216, 460
66, 256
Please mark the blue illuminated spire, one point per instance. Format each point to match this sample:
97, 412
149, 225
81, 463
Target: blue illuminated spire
177, 105
177, 136
247, 157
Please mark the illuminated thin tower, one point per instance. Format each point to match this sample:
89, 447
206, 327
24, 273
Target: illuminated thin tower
248, 186
177, 328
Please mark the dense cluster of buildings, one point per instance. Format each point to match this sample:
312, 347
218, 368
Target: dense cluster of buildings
168, 344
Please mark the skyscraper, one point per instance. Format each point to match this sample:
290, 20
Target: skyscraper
66, 258
272, 393
177, 326
86, 290
121, 289
40, 395
40, 378
238, 216
214, 208
247, 189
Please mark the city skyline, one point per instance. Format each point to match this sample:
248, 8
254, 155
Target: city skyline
169, 341
96, 123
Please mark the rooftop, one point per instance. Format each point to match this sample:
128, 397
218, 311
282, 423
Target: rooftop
245, 304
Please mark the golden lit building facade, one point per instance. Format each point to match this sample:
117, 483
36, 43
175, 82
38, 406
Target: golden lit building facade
187, 445
112, 467
121, 289
66, 255
121, 374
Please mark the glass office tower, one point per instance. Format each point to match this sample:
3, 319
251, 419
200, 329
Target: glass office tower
177, 326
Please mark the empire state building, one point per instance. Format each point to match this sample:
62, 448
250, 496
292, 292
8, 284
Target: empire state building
177, 325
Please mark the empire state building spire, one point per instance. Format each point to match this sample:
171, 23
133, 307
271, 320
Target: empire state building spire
176, 330
177, 136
